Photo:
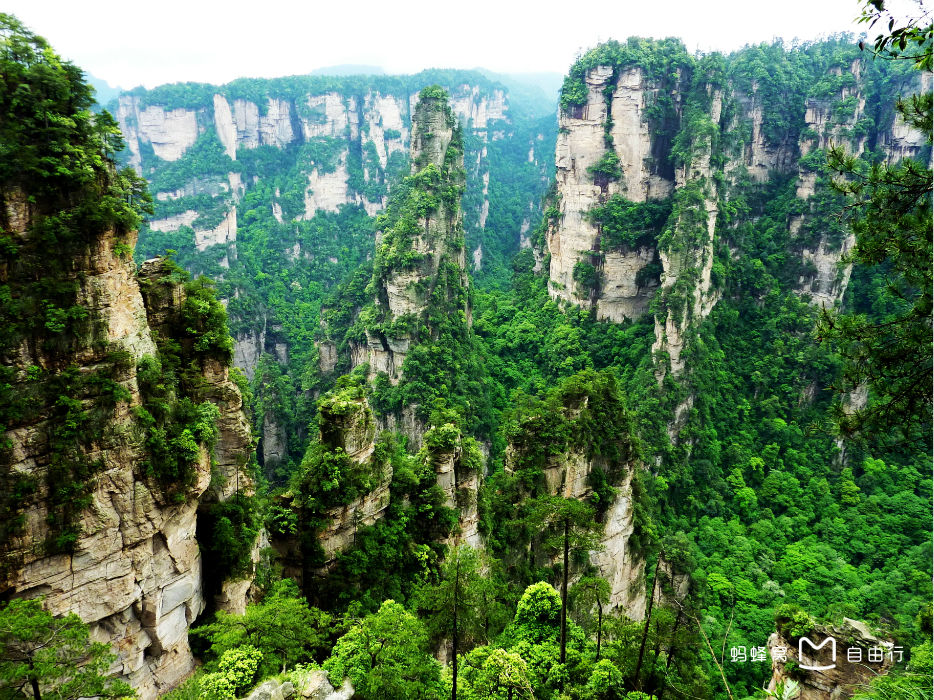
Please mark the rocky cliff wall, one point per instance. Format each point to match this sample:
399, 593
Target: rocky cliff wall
572, 469
419, 248
372, 124
689, 140
120, 549
612, 123
616, 560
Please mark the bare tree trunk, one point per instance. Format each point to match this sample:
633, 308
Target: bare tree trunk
658, 646
564, 593
648, 619
454, 638
671, 644
34, 682
599, 625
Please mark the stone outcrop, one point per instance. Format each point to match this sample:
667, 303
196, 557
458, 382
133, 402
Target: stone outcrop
758, 158
222, 234
316, 685
617, 562
567, 474
478, 111
130, 564
826, 279
687, 255
834, 121
403, 288
694, 142
848, 658
457, 462
174, 222
170, 132
347, 426
582, 143
272, 690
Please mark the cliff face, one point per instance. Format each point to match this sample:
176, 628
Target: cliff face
587, 134
419, 243
329, 518
351, 428
614, 154
828, 121
650, 162
616, 560
595, 464
348, 144
106, 538
286, 170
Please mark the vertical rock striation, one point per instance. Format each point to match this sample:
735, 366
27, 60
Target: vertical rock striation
655, 147
420, 246
93, 530
612, 124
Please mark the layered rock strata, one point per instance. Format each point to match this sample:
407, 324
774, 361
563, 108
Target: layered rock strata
694, 142
131, 565
837, 662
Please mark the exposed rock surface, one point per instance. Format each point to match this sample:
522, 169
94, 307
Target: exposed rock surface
174, 222
847, 663
170, 132
456, 463
316, 685
567, 475
403, 289
714, 138
134, 571
370, 119
825, 127
687, 255
617, 562
346, 426
272, 690
581, 144
225, 232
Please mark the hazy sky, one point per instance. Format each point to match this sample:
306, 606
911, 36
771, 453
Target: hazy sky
130, 43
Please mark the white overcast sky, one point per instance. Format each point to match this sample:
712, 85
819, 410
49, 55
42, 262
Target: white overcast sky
129, 43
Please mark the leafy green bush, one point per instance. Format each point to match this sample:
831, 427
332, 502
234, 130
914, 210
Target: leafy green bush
281, 631
607, 168
385, 655
629, 224
587, 277
226, 532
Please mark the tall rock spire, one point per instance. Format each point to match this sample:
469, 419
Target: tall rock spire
419, 281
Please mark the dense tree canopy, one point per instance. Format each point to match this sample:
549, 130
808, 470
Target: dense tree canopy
52, 657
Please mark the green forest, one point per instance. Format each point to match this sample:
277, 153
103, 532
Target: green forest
460, 484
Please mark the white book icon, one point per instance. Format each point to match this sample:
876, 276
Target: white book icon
833, 653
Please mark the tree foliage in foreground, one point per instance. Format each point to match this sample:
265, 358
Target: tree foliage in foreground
52, 658
888, 349
283, 628
386, 657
